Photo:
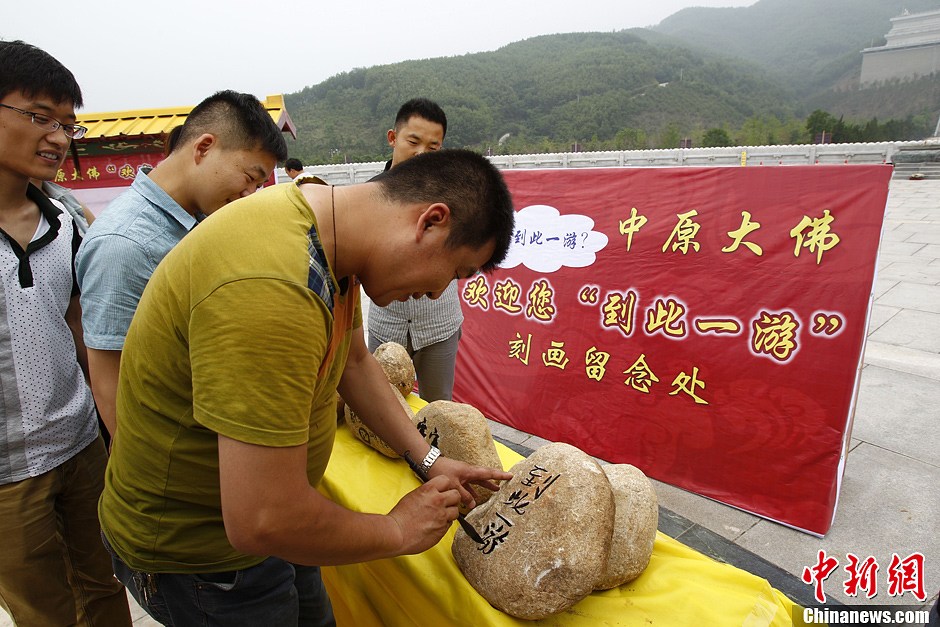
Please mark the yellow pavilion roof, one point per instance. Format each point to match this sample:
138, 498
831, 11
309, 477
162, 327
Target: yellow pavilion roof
158, 121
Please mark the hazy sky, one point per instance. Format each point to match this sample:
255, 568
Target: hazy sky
140, 54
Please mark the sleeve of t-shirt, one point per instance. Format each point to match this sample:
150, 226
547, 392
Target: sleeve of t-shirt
112, 273
255, 348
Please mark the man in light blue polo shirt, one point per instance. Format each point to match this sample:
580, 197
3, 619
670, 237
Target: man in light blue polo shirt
227, 149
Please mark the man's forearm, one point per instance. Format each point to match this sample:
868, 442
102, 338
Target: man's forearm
104, 367
269, 508
73, 318
366, 390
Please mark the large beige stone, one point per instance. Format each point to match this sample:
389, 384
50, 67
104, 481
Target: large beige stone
461, 432
635, 522
547, 534
398, 367
364, 433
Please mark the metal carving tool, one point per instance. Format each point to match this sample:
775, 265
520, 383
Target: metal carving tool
465, 525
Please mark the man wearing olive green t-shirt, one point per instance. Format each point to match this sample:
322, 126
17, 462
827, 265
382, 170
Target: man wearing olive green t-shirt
226, 397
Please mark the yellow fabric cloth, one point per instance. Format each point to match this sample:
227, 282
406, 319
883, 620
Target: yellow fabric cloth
680, 586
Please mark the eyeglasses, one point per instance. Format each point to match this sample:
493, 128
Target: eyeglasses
47, 123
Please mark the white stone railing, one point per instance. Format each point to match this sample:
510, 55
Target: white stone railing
795, 154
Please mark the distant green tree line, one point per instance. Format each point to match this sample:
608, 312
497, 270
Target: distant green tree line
757, 130
818, 126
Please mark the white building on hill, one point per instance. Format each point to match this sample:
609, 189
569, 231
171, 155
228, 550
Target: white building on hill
912, 49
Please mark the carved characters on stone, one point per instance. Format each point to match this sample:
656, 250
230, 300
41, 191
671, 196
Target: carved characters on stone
547, 534
461, 432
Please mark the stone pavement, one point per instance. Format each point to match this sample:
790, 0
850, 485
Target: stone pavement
890, 498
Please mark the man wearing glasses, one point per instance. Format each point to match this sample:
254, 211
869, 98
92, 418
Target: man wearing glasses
54, 569
48, 123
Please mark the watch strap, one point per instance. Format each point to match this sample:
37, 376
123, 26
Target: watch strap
430, 458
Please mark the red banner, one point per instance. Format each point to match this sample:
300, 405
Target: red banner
703, 324
116, 170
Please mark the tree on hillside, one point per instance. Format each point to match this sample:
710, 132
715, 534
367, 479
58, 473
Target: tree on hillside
819, 122
631, 139
670, 136
716, 137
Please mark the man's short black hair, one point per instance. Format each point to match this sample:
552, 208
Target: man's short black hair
293, 164
238, 120
26, 68
474, 190
423, 108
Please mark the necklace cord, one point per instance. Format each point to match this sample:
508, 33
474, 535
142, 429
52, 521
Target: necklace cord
333, 213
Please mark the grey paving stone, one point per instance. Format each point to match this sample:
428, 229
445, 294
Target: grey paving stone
929, 251
927, 225
910, 328
534, 442
886, 258
139, 617
904, 248
724, 520
522, 450
892, 233
911, 271
672, 524
879, 315
901, 359
909, 213
927, 234
898, 412
883, 286
911, 296
505, 432
889, 504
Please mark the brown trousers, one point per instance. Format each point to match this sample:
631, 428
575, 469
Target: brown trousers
54, 570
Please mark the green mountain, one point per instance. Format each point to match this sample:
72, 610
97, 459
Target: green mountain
750, 74
554, 89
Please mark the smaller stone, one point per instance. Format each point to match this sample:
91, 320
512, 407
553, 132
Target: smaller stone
635, 522
364, 433
461, 432
398, 367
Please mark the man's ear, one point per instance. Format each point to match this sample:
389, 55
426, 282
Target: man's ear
203, 144
434, 217
391, 137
